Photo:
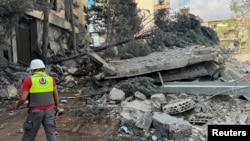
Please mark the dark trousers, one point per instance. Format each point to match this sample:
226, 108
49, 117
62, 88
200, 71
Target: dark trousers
35, 119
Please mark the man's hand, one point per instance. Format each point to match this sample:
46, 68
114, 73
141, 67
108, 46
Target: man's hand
11, 107
57, 109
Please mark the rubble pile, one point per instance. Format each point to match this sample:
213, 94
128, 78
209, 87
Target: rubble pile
164, 115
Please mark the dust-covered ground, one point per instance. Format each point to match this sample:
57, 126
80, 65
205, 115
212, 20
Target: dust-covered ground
70, 127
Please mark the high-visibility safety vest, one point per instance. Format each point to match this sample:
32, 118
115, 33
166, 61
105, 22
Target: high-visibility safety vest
41, 91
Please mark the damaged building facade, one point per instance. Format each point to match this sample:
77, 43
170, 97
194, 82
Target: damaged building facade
89, 27
27, 40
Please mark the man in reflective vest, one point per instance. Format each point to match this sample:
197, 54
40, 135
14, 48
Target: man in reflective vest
41, 91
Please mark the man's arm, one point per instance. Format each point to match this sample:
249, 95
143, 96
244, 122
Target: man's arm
56, 98
22, 99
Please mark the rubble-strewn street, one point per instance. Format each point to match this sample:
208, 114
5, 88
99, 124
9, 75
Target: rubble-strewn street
93, 109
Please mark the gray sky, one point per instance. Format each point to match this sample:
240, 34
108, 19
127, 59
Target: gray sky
205, 9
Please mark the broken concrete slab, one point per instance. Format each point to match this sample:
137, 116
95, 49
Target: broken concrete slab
171, 127
108, 68
242, 118
207, 88
214, 70
95, 57
159, 97
116, 95
141, 119
229, 74
145, 122
190, 72
140, 95
202, 58
159, 61
138, 104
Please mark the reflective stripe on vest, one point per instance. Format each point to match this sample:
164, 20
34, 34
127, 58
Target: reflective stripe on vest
41, 91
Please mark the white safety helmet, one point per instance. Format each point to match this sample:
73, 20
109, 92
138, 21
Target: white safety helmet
36, 64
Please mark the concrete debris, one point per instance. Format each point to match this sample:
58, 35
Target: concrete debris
72, 70
242, 118
109, 69
9, 92
140, 95
200, 118
192, 71
116, 95
198, 134
138, 104
12, 91
159, 97
180, 111
178, 106
207, 88
145, 121
171, 127
162, 61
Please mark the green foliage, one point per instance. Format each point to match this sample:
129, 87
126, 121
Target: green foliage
131, 49
10, 10
142, 84
122, 19
241, 10
211, 36
134, 49
161, 18
185, 31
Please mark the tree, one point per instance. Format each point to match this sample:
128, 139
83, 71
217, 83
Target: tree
241, 10
161, 18
184, 31
10, 11
122, 20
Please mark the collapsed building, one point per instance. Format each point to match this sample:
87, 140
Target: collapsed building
181, 110
172, 113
